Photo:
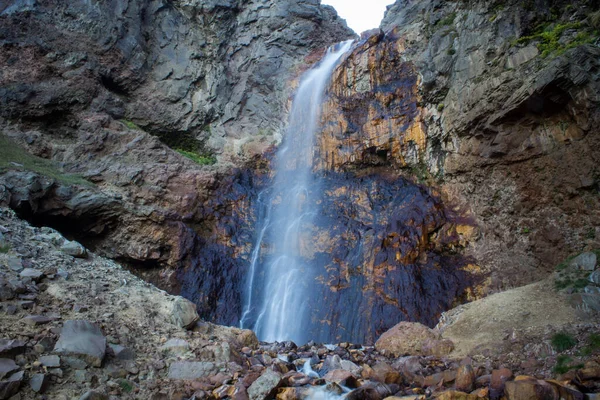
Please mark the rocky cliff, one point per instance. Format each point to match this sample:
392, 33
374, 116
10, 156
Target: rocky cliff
83, 84
496, 105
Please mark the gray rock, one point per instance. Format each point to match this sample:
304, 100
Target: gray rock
11, 386
93, 395
37, 320
74, 249
584, 261
595, 277
350, 366
50, 361
264, 385
83, 340
74, 363
39, 383
591, 301
33, 274
122, 353
15, 264
183, 313
7, 366
175, 346
189, 370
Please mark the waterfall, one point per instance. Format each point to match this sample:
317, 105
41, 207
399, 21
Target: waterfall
278, 283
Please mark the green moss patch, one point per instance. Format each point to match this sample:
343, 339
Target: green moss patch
199, 159
549, 38
13, 156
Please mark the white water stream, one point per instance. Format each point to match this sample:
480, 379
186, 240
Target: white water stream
278, 283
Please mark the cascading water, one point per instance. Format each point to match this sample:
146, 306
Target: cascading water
278, 284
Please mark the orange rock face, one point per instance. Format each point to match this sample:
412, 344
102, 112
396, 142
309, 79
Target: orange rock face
372, 116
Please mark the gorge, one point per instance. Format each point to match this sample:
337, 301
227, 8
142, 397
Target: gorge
440, 169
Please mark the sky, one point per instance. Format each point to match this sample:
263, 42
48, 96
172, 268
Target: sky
361, 15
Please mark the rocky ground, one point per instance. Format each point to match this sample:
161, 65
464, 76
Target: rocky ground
77, 326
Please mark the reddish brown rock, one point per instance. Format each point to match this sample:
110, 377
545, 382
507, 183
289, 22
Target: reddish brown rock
498, 379
465, 378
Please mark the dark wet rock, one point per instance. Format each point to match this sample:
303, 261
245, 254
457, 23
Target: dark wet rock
189, 370
39, 382
82, 339
11, 386
7, 366
265, 385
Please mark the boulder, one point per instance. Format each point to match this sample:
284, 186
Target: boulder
50, 361
498, 379
190, 370
342, 377
33, 274
407, 338
530, 389
183, 313
265, 385
83, 340
585, 261
74, 249
465, 378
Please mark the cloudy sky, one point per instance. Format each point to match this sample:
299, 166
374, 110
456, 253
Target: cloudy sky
361, 15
